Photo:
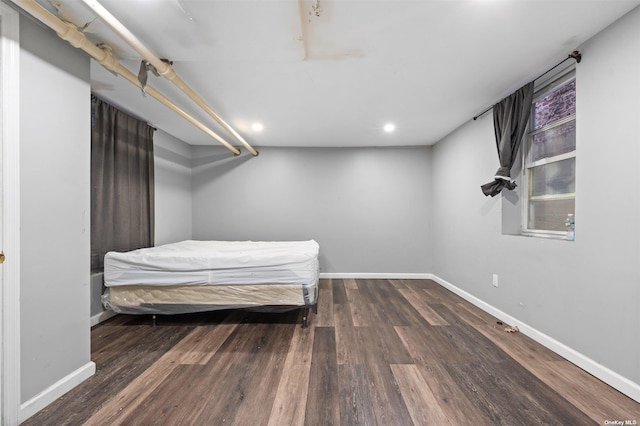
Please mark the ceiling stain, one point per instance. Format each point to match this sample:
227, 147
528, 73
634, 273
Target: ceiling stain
315, 15
303, 28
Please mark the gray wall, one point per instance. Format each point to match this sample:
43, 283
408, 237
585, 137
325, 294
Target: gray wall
585, 293
368, 208
172, 189
54, 150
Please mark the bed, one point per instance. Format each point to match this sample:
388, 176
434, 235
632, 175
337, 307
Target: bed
197, 276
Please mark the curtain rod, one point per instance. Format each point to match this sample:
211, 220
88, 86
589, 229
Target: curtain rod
96, 97
573, 55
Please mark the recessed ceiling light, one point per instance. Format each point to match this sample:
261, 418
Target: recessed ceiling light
257, 127
389, 127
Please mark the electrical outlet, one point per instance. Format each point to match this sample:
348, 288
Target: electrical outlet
495, 280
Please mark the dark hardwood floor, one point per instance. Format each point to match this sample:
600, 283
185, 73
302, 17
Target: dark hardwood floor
394, 352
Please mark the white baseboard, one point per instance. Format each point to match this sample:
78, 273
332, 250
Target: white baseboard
613, 379
103, 316
377, 275
56, 390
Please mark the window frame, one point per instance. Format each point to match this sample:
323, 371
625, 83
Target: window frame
546, 87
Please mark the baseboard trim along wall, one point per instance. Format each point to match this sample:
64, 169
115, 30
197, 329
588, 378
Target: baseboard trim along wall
603, 373
56, 390
103, 316
377, 275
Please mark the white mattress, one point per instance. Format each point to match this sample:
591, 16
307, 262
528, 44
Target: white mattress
215, 262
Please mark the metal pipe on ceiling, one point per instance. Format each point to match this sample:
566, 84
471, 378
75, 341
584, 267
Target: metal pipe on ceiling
163, 68
103, 56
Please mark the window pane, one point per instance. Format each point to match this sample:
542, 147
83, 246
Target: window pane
550, 214
555, 105
555, 141
554, 178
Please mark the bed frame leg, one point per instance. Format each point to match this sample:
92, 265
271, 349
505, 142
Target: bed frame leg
153, 320
305, 316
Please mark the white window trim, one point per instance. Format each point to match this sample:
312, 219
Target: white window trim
549, 160
548, 86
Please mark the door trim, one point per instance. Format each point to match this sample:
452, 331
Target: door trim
10, 290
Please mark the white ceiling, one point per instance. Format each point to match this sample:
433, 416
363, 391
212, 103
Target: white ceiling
337, 78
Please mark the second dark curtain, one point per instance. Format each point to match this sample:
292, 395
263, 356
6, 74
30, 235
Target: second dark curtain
122, 183
510, 118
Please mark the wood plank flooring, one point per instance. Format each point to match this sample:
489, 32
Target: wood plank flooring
379, 352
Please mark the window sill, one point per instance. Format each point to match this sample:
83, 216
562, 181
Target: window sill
548, 235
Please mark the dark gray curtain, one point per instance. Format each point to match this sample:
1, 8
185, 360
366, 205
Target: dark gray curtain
510, 118
122, 182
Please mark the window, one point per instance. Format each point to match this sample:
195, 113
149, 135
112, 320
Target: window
550, 158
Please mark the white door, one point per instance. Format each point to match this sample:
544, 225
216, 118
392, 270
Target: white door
9, 217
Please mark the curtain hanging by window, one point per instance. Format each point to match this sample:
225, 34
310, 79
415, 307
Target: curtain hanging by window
510, 118
122, 183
